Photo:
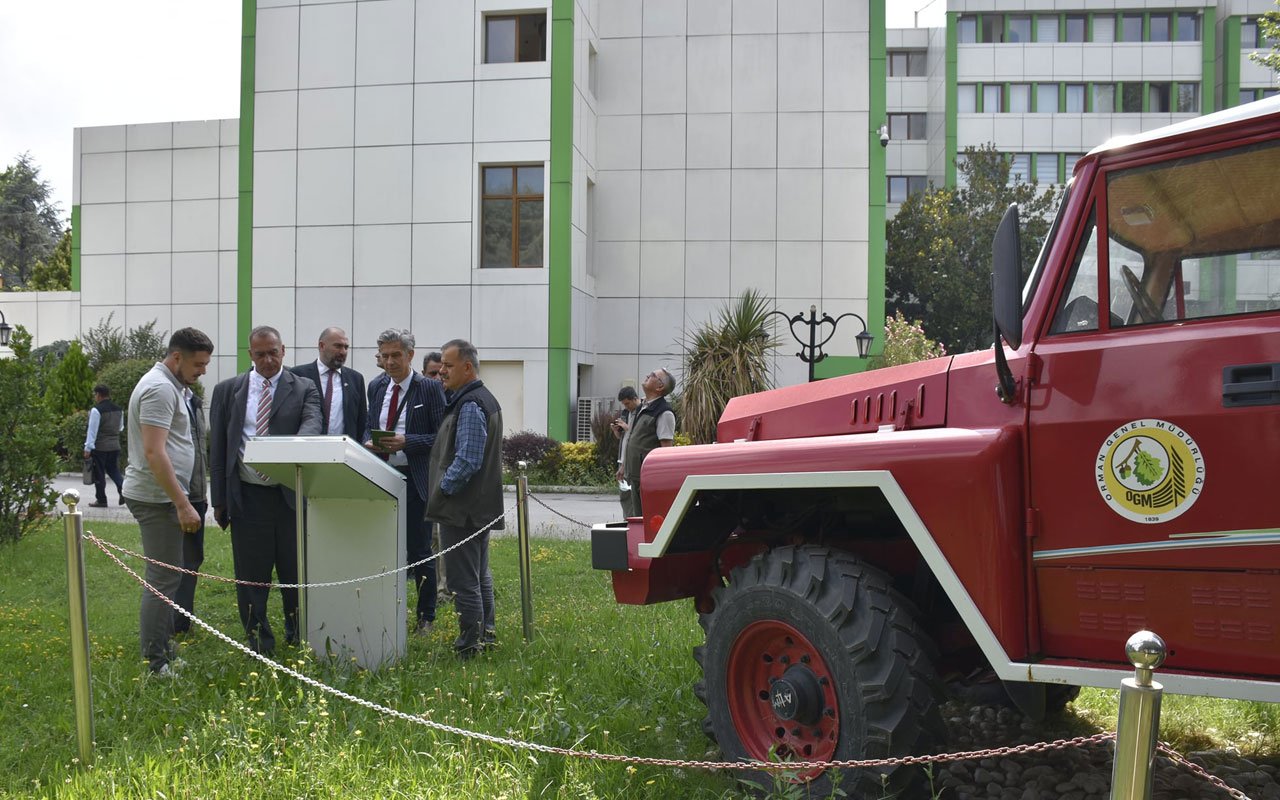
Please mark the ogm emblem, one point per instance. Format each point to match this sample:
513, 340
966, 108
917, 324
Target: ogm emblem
1149, 471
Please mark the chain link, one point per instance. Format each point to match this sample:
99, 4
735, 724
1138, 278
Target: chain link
1179, 758
417, 719
102, 543
535, 499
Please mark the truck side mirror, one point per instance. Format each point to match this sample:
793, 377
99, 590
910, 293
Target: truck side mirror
1006, 282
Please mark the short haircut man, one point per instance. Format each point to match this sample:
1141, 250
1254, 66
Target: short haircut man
102, 445
653, 425
431, 365
341, 388
466, 492
157, 481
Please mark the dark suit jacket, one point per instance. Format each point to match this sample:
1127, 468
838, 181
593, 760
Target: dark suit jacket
423, 408
295, 410
355, 405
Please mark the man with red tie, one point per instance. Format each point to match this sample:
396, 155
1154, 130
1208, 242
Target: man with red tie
341, 388
409, 407
265, 401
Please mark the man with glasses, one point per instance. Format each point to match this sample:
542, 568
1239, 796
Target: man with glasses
652, 425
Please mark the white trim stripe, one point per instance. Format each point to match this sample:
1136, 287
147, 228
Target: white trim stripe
1212, 540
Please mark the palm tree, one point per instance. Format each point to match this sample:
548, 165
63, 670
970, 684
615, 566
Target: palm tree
723, 358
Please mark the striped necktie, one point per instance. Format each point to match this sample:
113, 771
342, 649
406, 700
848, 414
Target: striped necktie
264, 408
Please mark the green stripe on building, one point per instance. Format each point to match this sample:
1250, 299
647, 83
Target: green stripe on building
1231, 62
560, 222
75, 248
244, 212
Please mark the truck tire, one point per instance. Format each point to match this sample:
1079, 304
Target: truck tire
812, 655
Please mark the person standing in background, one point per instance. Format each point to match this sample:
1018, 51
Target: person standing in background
102, 444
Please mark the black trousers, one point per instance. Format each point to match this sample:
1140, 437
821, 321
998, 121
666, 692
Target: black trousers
418, 547
105, 465
263, 536
192, 558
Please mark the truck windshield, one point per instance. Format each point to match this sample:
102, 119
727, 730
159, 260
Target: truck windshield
1033, 279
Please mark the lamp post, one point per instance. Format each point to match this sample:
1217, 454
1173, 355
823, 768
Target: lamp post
5, 330
812, 352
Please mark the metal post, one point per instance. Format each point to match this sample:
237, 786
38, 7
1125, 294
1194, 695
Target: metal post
300, 504
73, 525
522, 537
813, 339
1139, 722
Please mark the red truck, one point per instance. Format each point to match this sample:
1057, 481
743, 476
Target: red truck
1111, 465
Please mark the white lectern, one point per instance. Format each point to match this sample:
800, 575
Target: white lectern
354, 526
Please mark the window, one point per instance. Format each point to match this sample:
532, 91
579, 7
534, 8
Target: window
1188, 28
520, 37
1020, 168
967, 98
1189, 98
967, 28
1075, 98
1158, 98
1131, 98
1104, 98
1047, 28
1078, 310
1069, 165
1249, 35
1104, 28
992, 98
511, 210
907, 64
903, 186
1019, 28
907, 126
993, 28
1046, 168
1159, 28
1020, 98
1131, 27
1075, 27
1047, 98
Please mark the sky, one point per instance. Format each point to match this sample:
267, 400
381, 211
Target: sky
68, 64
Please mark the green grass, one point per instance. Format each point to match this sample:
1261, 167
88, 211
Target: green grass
598, 675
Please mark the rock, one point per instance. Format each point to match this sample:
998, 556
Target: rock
981, 775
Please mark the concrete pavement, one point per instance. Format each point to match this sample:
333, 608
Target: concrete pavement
587, 508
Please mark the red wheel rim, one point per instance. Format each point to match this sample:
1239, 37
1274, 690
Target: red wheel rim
761, 655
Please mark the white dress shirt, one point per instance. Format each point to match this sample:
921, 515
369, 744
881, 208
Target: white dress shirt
336, 419
248, 474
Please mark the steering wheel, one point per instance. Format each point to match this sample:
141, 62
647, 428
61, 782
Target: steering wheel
1148, 311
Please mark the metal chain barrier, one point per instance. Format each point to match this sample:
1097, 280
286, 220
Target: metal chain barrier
103, 544
1179, 758
559, 513
417, 719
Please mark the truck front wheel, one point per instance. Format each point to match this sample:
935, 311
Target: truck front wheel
812, 656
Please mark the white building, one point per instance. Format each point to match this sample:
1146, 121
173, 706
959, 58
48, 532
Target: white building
573, 185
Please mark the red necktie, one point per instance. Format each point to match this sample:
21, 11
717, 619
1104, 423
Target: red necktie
393, 412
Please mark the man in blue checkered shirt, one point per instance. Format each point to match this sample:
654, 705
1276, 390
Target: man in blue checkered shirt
466, 492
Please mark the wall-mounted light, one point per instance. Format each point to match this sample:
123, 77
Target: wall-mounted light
5, 331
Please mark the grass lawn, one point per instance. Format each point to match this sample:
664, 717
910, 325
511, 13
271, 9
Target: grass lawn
597, 676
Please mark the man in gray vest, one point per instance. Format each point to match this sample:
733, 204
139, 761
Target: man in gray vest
102, 444
653, 425
466, 491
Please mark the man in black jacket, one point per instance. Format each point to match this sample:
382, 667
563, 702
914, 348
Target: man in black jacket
102, 443
409, 407
341, 388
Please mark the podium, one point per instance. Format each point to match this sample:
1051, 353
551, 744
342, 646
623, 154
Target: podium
351, 523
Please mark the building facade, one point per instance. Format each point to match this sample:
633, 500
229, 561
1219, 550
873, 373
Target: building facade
574, 186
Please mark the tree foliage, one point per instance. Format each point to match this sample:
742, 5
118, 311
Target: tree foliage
1269, 27
939, 248
723, 358
122, 376
54, 273
70, 385
905, 342
28, 457
30, 225
107, 344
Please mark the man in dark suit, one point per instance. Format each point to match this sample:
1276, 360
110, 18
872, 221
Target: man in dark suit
410, 407
341, 388
266, 400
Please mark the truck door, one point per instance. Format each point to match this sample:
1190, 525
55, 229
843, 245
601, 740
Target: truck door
1154, 426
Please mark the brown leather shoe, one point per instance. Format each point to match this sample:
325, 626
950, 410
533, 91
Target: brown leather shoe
98, 505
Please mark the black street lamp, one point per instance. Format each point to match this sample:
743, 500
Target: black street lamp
814, 352
5, 330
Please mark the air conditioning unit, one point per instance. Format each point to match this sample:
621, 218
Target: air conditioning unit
587, 408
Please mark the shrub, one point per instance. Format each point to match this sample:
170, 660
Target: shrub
905, 343
28, 459
122, 376
527, 446
682, 439
606, 443
70, 384
107, 344
71, 433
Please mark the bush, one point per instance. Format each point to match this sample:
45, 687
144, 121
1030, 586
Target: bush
70, 384
532, 448
28, 458
905, 343
107, 344
122, 376
71, 435
606, 444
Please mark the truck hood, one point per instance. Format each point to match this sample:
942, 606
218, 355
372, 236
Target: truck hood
907, 396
